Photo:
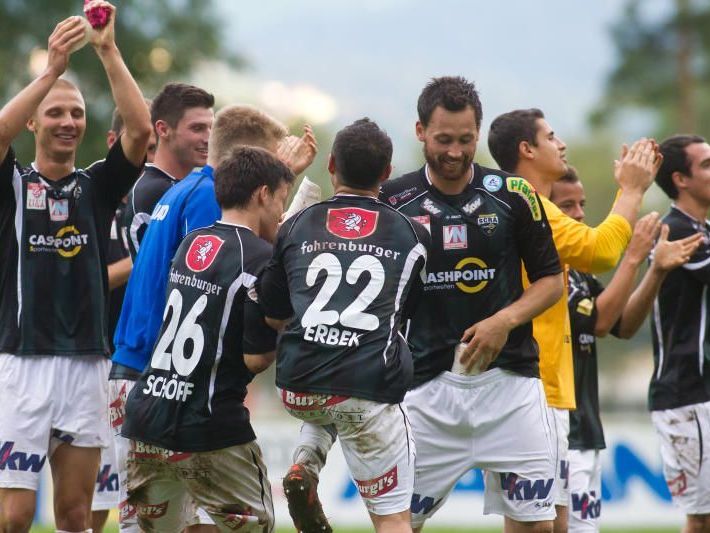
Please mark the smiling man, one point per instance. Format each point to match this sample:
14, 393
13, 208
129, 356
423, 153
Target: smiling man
54, 229
182, 117
522, 142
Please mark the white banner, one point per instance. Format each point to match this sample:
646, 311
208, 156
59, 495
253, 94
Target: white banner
634, 492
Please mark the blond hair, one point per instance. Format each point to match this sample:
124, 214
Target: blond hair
243, 125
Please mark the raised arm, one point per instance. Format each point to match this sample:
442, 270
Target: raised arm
126, 94
667, 255
599, 249
610, 303
15, 114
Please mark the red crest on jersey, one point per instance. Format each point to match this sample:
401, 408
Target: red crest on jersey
352, 222
202, 252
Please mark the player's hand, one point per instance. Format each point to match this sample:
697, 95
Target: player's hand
485, 340
668, 255
66, 34
297, 153
645, 233
102, 38
638, 165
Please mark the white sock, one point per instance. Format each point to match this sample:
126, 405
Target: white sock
314, 443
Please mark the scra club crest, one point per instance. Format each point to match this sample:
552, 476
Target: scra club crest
352, 222
202, 252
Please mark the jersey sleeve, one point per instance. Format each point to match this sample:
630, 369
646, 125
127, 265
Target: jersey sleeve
259, 337
114, 175
532, 232
7, 171
201, 209
417, 289
588, 249
272, 285
583, 307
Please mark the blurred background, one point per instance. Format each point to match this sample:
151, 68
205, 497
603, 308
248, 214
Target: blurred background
604, 73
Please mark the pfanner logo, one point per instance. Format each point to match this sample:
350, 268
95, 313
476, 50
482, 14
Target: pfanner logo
526, 191
352, 222
12, 460
519, 489
378, 486
202, 252
67, 242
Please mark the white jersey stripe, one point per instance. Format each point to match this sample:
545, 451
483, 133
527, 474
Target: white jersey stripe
19, 210
701, 333
414, 254
659, 336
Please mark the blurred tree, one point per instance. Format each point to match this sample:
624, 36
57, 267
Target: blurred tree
161, 41
663, 68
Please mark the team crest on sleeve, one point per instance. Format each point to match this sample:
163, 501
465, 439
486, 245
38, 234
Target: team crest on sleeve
202, 252
36, 196
526, 191
492, 182
352, 222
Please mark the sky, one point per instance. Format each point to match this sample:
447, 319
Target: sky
372, 57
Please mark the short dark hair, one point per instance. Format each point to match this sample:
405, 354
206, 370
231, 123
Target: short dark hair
244, 170
506, 133
172, 101
117, 120
570, 176
675, 159
361, 152
453, 93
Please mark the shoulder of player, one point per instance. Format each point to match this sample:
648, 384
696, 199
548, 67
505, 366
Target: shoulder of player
680, 224
399, 191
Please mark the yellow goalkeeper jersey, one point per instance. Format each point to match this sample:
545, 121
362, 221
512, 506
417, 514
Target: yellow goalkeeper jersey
582, 248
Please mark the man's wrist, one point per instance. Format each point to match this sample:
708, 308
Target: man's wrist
107, 50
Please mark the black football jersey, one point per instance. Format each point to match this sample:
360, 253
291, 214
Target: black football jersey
142, 199
344, 269
54, 236
585, 425
479, 238
679, 324
117, 250
191, 395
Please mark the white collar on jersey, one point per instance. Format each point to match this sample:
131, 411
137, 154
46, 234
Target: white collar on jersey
428, 177
674, 206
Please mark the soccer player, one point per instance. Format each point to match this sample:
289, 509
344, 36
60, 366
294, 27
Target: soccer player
106, 491
182, 117
595, 311
523, 143
190, 431
189, 205
341, 280
55, 221
482, 222
679, 395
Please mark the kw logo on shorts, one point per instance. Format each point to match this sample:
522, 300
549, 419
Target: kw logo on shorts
352, 222
521, 489
587, 505
378, 486
22, 461
107, 481
67, 242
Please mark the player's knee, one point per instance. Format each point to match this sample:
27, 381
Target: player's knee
72, 516
15, 519
544, 526
699, 523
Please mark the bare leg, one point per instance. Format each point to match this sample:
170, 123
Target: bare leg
17, 508
513, 526
392, 523
697, 523
561, 521
98, 521
74, 472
